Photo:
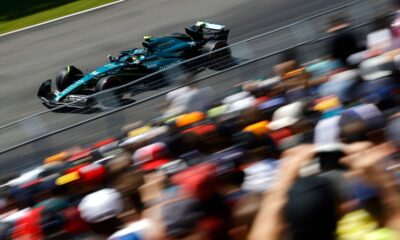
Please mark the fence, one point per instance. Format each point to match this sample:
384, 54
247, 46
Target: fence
26, 142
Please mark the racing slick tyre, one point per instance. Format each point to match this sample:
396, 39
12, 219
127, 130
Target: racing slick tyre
112, 98
108, 82
219, 59
67, 76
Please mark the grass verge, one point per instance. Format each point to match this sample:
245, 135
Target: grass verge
16, 14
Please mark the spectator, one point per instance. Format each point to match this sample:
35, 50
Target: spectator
344, 43
312, 153
100, 210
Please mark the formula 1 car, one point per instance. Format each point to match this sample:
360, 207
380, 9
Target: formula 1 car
72, 87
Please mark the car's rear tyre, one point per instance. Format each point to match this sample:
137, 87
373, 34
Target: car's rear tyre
217, 59
67, 76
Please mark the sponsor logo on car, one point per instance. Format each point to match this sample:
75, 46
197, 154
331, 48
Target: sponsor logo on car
170, 65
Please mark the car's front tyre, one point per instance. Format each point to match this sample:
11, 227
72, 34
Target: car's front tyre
108, 82
67, 76
112, 98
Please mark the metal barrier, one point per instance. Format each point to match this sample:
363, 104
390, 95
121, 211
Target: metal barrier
33, 138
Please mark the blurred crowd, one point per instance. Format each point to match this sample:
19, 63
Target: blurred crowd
311, 153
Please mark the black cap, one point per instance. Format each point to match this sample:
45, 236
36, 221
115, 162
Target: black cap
311, 209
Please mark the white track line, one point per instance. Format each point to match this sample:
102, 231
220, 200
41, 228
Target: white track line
63, 17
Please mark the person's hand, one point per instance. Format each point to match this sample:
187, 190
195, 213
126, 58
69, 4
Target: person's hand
367, 162
269, 223
292, 161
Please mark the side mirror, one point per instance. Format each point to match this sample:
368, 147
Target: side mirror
110, 58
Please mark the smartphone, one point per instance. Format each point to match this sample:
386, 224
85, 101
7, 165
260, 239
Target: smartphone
330, 160
329, 156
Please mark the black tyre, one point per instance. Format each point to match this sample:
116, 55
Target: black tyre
219, 59
67, 76
112, 98
108, 82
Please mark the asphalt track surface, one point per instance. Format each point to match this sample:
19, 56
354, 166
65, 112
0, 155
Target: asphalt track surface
32, 56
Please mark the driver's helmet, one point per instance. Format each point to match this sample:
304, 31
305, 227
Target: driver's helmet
139, 51
138, 55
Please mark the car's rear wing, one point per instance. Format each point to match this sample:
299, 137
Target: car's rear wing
208, 31
211, 26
